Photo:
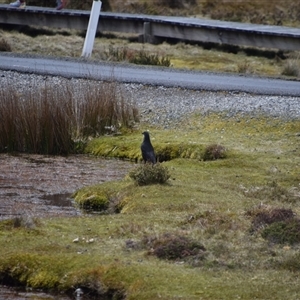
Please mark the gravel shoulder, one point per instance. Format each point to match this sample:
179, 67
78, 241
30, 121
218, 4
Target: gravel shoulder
165, 106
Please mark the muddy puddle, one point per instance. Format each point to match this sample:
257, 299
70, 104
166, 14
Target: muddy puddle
41, 186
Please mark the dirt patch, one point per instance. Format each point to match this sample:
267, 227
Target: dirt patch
41, 185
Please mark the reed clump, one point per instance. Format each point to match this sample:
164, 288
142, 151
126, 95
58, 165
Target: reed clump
58, 119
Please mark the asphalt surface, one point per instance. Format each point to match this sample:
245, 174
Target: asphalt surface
80, 68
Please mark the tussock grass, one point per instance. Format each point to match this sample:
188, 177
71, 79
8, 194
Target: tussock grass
291, 68
4, 46
58, 119
139, 57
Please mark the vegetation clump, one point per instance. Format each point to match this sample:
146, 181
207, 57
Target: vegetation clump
138, 57
214, 151
277, 225
147, 173
97, 202
5, 46
283, 232
291, 68
173, 247
105, 198
267, 217
48, 120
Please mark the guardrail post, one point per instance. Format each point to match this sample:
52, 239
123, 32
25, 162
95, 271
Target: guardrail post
147, 32
147, 36
92, 28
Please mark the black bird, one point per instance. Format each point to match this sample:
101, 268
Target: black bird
147, 149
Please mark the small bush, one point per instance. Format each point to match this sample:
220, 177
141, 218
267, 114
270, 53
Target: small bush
214, 151
146, 174
264, 217
173, 247
284, 232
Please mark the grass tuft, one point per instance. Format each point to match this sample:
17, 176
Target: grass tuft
291, 68
138, 57
214, 151
5, 46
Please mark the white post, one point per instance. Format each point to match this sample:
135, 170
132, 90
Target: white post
92, 28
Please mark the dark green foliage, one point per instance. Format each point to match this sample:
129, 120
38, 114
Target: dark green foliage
172, 247
146, 174
284, 232
214, 151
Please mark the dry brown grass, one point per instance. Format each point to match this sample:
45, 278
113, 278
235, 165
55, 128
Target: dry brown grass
51, 120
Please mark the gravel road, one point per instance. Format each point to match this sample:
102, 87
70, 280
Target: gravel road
164, 106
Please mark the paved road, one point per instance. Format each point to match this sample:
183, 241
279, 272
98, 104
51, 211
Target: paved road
149, 75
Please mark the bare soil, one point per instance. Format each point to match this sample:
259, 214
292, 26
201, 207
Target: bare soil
40, 186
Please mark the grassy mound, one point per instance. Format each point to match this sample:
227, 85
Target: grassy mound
170, 240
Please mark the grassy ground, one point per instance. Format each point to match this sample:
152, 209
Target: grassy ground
181, 55
212, 203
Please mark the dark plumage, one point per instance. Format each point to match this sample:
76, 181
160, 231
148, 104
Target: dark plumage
147, 149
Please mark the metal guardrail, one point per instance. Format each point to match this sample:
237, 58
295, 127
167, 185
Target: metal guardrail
156, 28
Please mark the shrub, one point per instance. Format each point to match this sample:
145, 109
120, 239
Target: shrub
146, 174
214, 151
172, 247
268, 216
284, 232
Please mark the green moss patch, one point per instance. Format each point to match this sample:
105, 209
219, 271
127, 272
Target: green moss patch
106, 197
128, 147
